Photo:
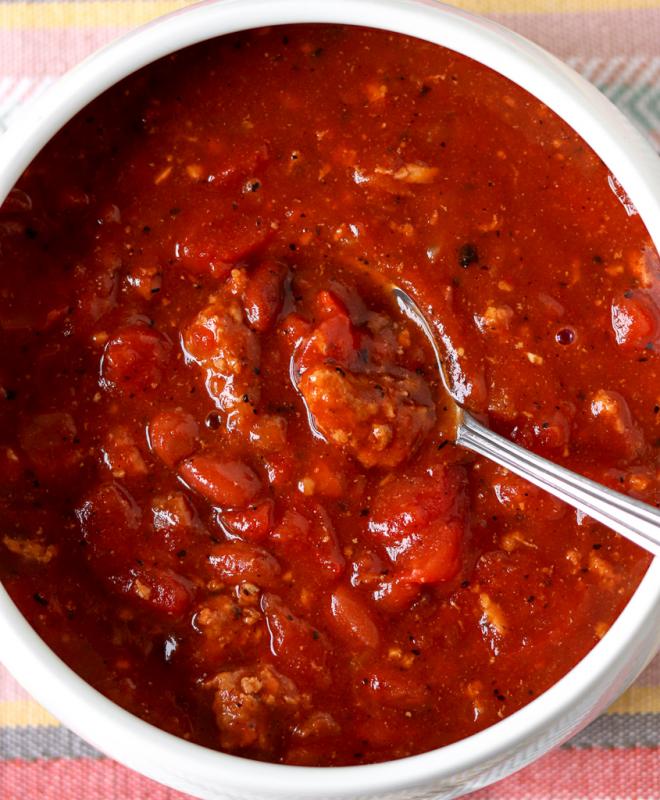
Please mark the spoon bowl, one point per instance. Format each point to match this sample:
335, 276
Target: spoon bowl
631, 518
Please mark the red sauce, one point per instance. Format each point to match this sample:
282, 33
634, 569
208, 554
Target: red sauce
230, 499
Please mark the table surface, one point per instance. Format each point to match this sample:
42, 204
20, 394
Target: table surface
613, 43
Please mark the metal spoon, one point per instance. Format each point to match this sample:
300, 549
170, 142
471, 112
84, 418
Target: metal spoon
633, 519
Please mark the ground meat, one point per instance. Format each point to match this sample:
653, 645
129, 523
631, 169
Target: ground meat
30, 549
224, 624
616, 428
220, 341
250, 704
379, 418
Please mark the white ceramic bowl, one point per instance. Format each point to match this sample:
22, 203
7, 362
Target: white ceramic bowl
551, 718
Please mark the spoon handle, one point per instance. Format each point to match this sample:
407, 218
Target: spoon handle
633, 519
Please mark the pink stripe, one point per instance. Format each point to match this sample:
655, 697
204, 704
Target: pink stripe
41, 52
9, 689
627, 32
569, 774
604, 34
562, 775
651, 675
57, 780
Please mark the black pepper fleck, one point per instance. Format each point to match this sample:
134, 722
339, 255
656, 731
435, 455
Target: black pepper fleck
467, 254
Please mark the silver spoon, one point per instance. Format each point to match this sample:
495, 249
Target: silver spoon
633, 519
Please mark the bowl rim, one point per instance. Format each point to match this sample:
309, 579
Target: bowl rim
140, 745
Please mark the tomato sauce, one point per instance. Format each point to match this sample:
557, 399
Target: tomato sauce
230, 498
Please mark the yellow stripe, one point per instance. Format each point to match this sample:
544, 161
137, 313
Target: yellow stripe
18, 713
127, 14
638, 700
120, 14
551, 6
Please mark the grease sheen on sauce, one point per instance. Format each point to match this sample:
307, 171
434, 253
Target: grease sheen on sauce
230, 219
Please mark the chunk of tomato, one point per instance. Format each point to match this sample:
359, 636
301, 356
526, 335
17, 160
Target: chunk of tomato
306, 535
212, 248
134, 359
300, 648
173, 435
420, 521
252, 524
636, 320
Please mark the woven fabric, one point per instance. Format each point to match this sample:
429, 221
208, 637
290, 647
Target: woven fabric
613, 43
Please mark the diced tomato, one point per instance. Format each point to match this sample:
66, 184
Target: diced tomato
223, 483
214, 247
334, 341
396, 594
329, 479
519, 497
263, 295
549, 435
175, 521
198, 254
237, 562
98, 297
609, 426
279, 467
301, 648
397, 688
294, 328
268, 433
328, 305
134, 359
122, 455
308, 534
173, 435
232, 162
146, 281
252, 524
512, 617
421, 521
636, 320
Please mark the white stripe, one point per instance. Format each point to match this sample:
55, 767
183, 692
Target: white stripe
16, 95
610, 67
628, 79
590, 67
621, 79
5, 85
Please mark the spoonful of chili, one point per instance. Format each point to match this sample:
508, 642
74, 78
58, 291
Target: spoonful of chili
631, 518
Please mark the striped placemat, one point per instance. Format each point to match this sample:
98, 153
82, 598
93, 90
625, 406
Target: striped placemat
613, 43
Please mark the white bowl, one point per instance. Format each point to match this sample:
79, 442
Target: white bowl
548, 720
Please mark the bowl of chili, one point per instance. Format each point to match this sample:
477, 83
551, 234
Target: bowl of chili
305, 574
